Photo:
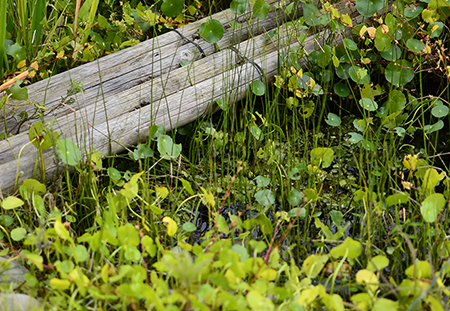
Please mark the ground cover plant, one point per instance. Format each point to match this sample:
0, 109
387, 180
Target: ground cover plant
326, 189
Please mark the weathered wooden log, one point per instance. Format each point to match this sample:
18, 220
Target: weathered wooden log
120, 71
173, 99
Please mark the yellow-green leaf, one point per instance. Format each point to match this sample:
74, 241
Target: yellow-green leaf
172, 226
410, 161
61, 231
349, 249
431, 178
314, 264
162, 192
59, 284
378, 263
420, 270
131, 188
11, 202
208, 197
367, 278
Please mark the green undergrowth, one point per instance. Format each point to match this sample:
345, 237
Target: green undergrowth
325, 190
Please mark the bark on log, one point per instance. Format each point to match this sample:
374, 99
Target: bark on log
174, 98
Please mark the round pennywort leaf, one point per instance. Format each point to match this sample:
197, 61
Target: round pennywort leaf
359, 75
238, 6
399, 72
172, 8
333, 119
341, 89
415, 45
18, 234
258, 88
68, 152
369, 7
265, 197
212, 31
439, 111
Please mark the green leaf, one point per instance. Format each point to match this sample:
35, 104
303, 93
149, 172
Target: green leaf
189, 227
368, 104
256, 132
367, 278
12, 203
419, 270
322, 156
324, 229
299, 212
355, 137
17, 92
172, 8
312, 15
212, 31
369, 7
431, 128
262, 181
142, 151
435, 31
149, 246
128, 236
313, 265
222, 104
80, 253
16, 51
295, 197
258, 88
59, 284
383, 304
68, 152
399, 72
17, 234
113, 173
324, 56
350, 44
383, 41
6, 220
235, 24
412, 11
396, 101
167, 148
394, 53
333, 120
359, 75
296, 172
350, 248
187, 186
239, 6
431, 178
256, 301
341, 89
266, 228
261, 9
131, 188
415, 45
343, 72
432, 206
398, 198
40, 137
378, 263
265, 197
440, 111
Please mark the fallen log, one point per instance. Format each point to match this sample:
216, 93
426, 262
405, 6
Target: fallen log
175, 98
120, 71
